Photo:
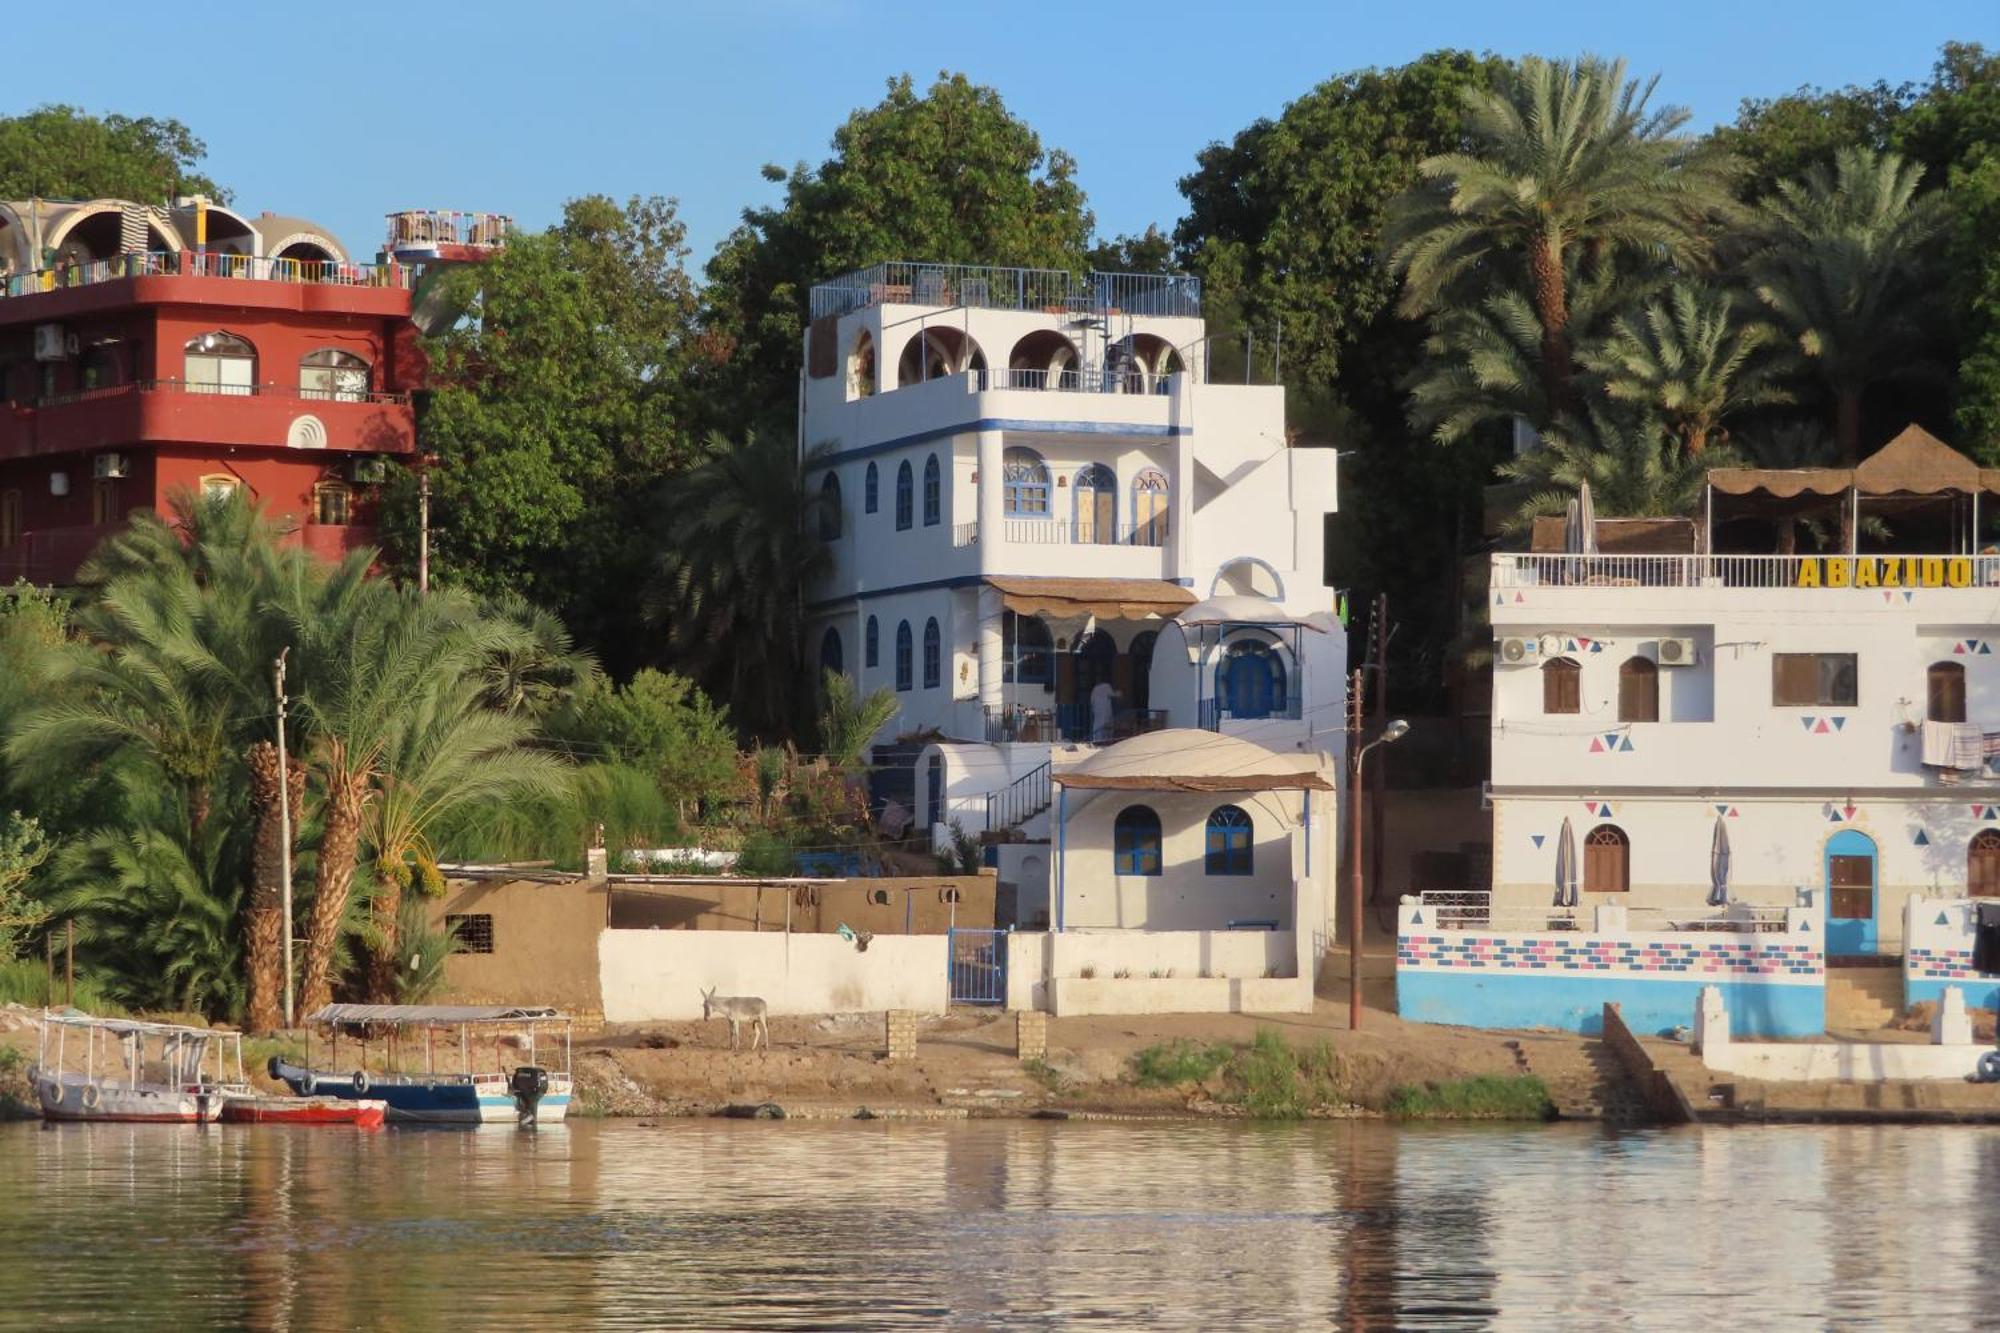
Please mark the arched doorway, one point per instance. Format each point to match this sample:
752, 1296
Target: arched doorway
1140, 658
1850, 893
1094, 662
1096, 492
934, 790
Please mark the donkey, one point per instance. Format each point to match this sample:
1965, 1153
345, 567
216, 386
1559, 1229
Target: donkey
738, 1009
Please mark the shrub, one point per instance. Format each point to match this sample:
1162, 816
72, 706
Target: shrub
766, 855
1179, 1061
1487, 1097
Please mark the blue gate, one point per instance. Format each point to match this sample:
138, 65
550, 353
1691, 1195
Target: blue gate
976, 966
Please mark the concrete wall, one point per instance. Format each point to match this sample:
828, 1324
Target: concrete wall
659, 975
887, 905
1164, 972
1937, 953
1183, 896
1025, 866
1951, 1054
1773, 982
544, 942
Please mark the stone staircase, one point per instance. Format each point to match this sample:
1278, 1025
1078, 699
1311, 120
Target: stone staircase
1863, 999
1586, 1083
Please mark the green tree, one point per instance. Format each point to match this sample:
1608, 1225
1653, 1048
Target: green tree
948, 175
1691, 357
1152, 251
739, 549
64, 152
1635, 469
23, 848
556, 409
1847, 262
1564, 157
848, 721
659, 723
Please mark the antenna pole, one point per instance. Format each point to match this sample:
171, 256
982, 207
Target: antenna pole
284, 827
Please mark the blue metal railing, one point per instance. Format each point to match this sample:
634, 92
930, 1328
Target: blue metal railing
977, 965
987, 287
1215, 711
1018, 801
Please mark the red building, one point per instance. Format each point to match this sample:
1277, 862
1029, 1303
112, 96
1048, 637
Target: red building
144, 349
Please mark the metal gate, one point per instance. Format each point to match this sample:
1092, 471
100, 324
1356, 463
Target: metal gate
976, 966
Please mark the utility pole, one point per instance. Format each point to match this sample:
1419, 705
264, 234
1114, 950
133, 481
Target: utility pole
423, 527
1378, 662
1354, 907
284, 828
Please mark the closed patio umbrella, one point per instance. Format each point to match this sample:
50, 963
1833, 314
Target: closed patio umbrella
1586, 520
1718, 866
1566, 866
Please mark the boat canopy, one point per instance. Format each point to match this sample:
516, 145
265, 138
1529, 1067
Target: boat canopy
122, 1027
433, 1013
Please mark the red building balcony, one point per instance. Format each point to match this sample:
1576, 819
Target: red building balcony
172, 412
51, 556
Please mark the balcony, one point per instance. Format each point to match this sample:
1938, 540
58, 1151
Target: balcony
1215, 712
1873, 572
1022, 724
156, 412
984, 287
189, 264
1056, 532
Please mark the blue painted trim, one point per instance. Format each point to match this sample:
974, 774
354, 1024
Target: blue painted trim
1576, 1003
1004, 423
1980, 992
1851, 935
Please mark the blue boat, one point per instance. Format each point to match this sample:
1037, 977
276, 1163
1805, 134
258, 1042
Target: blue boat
525, 1094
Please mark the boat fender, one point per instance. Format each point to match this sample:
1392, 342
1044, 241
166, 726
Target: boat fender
57, 1091
360, 1083
91, 1097
1989, 1067
308, 1084
271, 1067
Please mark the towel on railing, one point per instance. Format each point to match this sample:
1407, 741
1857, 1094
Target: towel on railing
1940, 744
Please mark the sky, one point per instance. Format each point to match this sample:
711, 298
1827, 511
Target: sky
344, 114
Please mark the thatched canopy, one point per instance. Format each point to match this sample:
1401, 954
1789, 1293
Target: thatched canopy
1915, 463
1107, 599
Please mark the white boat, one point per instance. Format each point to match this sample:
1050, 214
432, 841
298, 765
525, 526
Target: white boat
526, 1094
129, 1070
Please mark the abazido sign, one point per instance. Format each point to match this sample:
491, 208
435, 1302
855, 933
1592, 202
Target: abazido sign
1885, 571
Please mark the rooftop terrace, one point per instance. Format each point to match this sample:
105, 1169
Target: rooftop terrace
984, 287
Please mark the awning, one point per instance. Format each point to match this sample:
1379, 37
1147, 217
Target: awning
1242, 610
1107, 599
1916, 462
430, 1013
1186, 759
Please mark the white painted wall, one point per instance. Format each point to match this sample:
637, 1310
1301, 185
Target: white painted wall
1184, 896
658, 975
1211, 972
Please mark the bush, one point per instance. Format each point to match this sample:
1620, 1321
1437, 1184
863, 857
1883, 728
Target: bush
26, 981
1179, 1061
1487, 1097
766, 855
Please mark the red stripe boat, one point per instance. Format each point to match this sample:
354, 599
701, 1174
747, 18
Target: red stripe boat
259, 1109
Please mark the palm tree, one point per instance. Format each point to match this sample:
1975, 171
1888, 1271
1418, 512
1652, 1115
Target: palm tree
740, 548
1565, 158
398, 734
1692, 358
544, 669
1846, 260
848, 721
1634, 467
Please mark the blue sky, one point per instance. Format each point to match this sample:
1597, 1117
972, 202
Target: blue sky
346, 113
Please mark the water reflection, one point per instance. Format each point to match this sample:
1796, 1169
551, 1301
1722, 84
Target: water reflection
711, 1224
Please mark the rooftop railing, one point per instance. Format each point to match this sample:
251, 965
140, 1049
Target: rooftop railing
298, 391
428, 228
1058, 532
214, 264
985, 287
1074, 381
1515, 570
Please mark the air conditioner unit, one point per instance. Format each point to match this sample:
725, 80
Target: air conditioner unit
109, 466
52, 342
1676, 652
1512, 652
370, 471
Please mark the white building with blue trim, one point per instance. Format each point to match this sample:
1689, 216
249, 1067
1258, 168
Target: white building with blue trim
1050, 531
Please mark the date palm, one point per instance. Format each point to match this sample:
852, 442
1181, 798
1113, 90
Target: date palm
1565, 158
1634, 467
1692, 357
1846, 260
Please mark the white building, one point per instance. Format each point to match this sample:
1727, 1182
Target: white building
1052, 532
1834, 713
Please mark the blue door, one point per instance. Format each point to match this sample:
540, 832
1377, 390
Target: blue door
1850, 893
1250, 681
934, 790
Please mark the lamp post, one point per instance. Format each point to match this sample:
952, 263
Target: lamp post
1392, 733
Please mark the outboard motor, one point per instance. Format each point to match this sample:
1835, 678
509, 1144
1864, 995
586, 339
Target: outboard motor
529, 1084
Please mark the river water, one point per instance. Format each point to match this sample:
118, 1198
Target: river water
713, 1224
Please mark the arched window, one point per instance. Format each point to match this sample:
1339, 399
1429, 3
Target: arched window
220, 362
1027, 481
829, 508
933, 492
906, 488
1562, 686
1025, 648
1638, 690
1229, 832
1607, 860
333, 374
1946, 692
934, 790
830, 656
1250, 680
1043, 359
905, 651
1096, 504
1135, 841
933, 655
1982, 864
871, 490
1149, 508
10, 518
871, 645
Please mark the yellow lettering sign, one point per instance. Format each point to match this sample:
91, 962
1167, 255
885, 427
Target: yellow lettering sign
1864, 573
1958, 572
1871, 571
1808, 573
1839, 572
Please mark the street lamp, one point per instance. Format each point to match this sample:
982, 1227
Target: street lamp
1392, 733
